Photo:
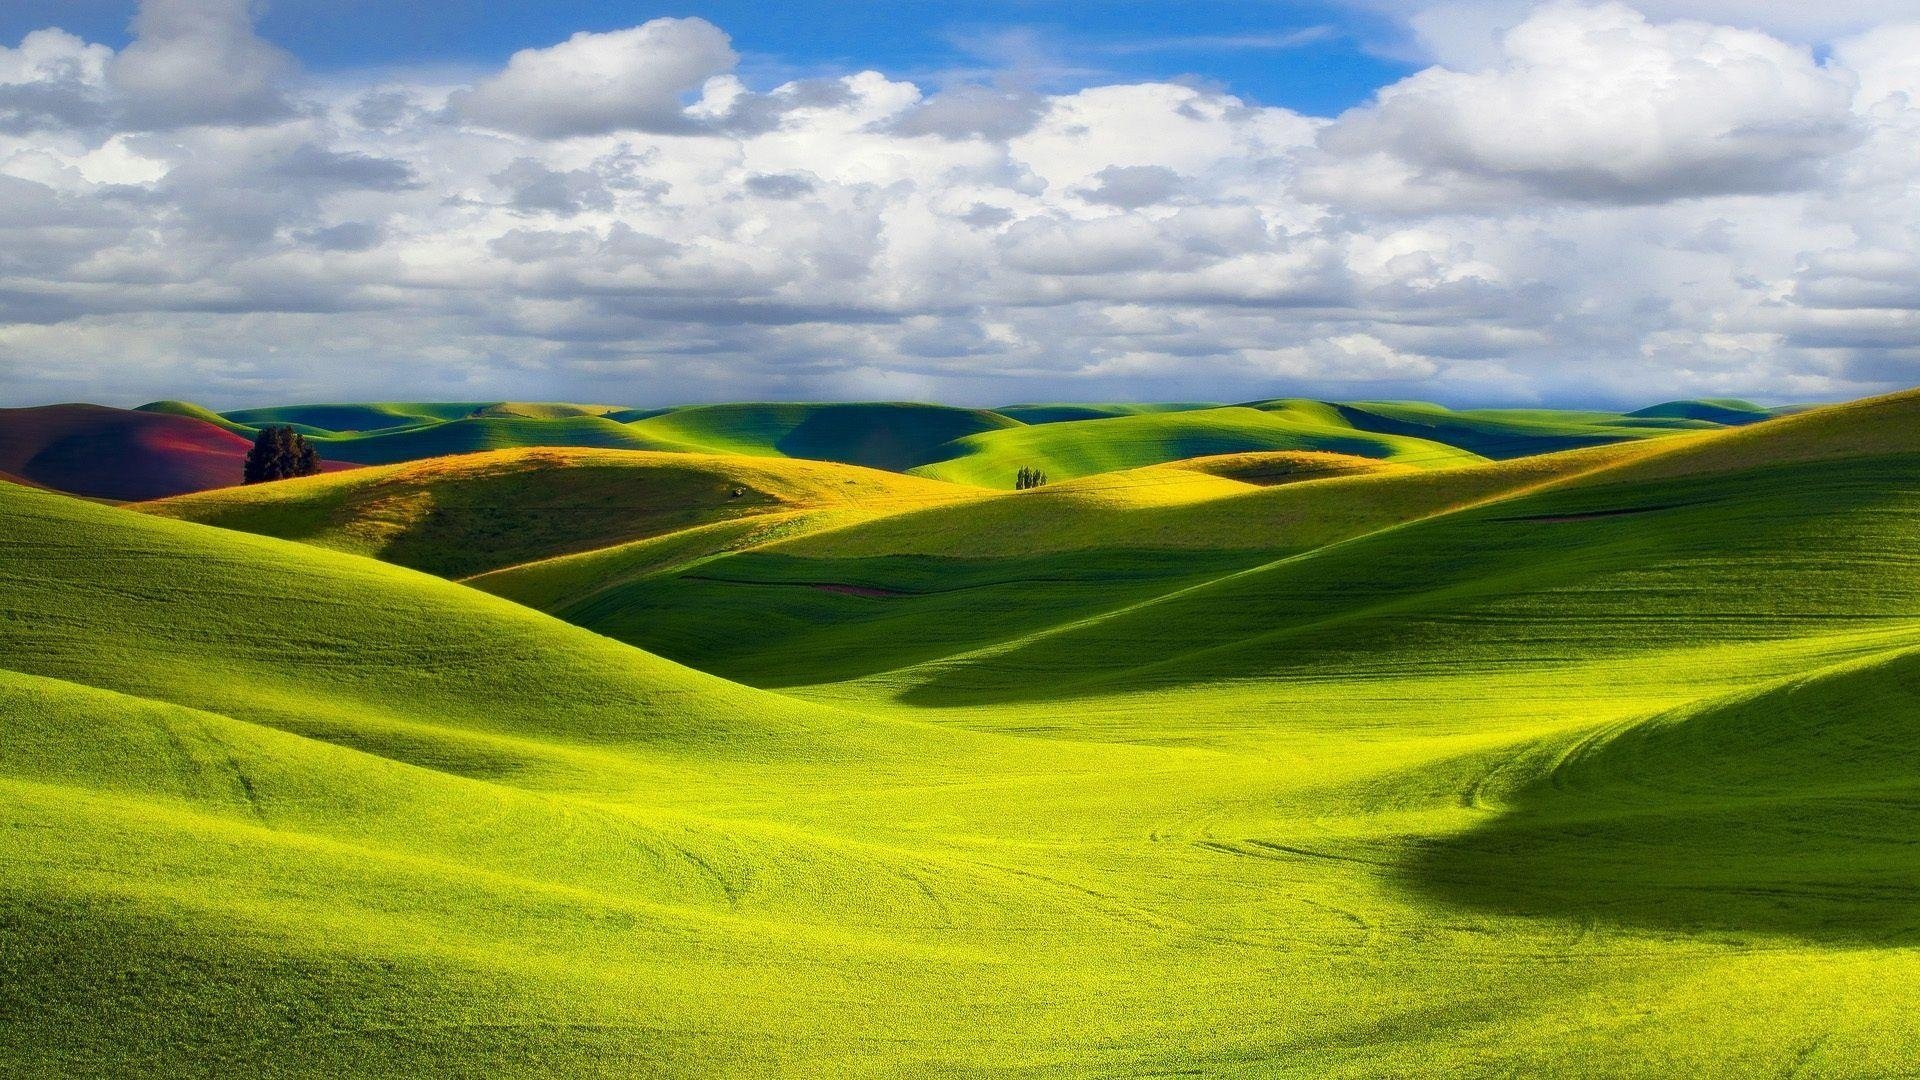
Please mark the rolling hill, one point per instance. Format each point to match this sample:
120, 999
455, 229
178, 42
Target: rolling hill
1597, 762
470, 513
1510, 433
879, 435
118, 454
1055, 412
1074, 448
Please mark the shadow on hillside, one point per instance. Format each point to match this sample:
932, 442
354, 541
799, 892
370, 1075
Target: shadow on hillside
1795, 812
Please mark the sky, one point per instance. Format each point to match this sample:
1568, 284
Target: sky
1499, 202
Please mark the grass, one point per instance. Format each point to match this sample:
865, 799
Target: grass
1055, 412
471, 513
1510, 433
881, 435
1071, 449
978, 447
1591, 763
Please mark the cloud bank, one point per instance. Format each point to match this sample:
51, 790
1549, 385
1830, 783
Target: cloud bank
1574, 202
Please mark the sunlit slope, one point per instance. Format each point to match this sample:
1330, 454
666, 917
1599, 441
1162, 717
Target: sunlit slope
477, 433
1802, 528
196, 412
1077, 448
470, 513
362, 822
253, 791
881, 435
825, 599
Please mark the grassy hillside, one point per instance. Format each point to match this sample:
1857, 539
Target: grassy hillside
475, 434
470, 513
1056, 412
355, 417
190, 410
1731, 412
880, 435
1510, 433
827, 599
1076, 448
1596, 763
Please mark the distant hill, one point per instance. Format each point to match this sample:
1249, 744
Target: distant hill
879, 435
473, 434
471, 513
1074, 448
1056, 412
121, 454
1731, 412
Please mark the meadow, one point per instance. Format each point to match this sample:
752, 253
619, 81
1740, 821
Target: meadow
1283, 738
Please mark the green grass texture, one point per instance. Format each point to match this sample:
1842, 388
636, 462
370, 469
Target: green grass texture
1598, 762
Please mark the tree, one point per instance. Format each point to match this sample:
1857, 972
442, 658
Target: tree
279, 453
1028, 478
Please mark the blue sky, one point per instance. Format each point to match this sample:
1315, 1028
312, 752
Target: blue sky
1314, 58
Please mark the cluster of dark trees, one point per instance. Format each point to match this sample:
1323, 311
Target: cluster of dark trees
1028, 478
279, 453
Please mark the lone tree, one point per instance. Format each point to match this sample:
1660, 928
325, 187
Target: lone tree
1028, 478
279, 453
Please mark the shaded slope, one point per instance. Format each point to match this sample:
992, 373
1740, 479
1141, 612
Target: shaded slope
880, 435
1057, 412
470, 513
1784, 810
1731, 412
1508, 433
352, 417
121, 454
1078, 448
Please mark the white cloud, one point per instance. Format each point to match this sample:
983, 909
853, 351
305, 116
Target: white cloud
1601, 207
1596, 104
199, 62
592, 84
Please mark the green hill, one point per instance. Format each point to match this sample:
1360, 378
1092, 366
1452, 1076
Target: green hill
1510, 433
357, 417
1056, 412
816, 603
879, 435
1076, 448
1731, 412
471, 513
476, 434
195, 412
1593, 763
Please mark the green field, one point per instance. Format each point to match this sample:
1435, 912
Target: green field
1299, 738
978, 447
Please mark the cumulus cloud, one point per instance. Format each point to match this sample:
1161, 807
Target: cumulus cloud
199, 62
1597, 104
591, 84
1131, 187
1596, 204
52, 80
973, 112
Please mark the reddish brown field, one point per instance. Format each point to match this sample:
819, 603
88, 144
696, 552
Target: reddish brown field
107, 453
